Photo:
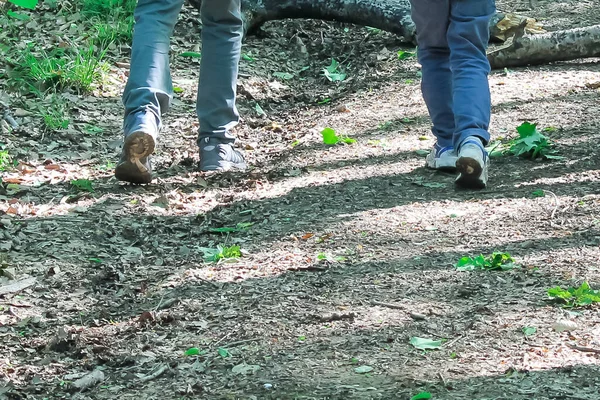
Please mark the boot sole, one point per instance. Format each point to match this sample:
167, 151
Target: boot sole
137, 147
471, 173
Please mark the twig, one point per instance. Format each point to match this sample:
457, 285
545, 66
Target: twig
388, 305
584, 349
451, 342
17, 305
238, 342
335, 317
556, 204
155, 374
443, 379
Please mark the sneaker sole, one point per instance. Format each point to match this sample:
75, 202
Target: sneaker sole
137, 146
471, 173
228, 166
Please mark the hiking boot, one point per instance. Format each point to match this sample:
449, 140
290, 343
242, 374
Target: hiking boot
218, 156
442, 158
134, 164
472, 164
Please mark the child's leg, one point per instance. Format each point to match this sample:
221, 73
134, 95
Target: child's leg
468, 37
222, 32
431, 18
149, 89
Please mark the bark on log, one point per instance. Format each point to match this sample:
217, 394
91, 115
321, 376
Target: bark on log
394, 16
564, 45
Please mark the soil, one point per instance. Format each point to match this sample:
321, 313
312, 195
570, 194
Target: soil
348, 251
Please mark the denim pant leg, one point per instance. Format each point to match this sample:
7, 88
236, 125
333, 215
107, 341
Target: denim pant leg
149, 90
222, 33
431, 18
468, 38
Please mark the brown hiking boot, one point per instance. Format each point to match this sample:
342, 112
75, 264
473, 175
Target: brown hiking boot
134, 165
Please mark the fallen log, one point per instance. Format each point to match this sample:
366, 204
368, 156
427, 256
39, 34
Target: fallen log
394, 16
549, 47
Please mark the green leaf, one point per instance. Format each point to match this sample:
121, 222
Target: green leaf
329, 136
177, 89
538, 193
247, 57
83, 184
575, 297
425, 344
283, 75
29, 4
363, 369
403, 55
95, 260
421, 396
19, 16
332, 73
531, 143
193, 351
422, 152
223, 352
259, 110
528, 331
348, 140
495, 261
191, 54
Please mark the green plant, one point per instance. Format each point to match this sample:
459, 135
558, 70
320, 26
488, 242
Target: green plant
575, 297
403, 55
529, 330
421, 396
28, 4
55, 115
83, 185
103, 8
495, 261
332, 73
93, 129
75, 68
532, 144
221, 252
538, 193
5, 159
330, 137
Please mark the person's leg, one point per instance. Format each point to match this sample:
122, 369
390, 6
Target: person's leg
222, 33
148, 91
431, 18
468, 37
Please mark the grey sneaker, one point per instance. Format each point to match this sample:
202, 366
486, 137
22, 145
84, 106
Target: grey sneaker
134, 165
442, 158
472, 164
218, 156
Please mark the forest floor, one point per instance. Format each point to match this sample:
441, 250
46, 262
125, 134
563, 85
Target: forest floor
348, 251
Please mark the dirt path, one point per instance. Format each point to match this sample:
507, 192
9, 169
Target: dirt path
349, 250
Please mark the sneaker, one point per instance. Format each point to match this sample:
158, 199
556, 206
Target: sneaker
218, 156
134, 165
472, 164
442, 158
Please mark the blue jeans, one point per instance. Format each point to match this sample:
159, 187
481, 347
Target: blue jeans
149, 89
453, 36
